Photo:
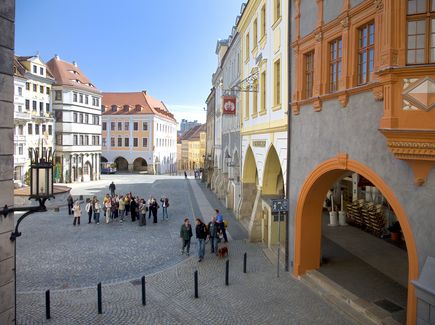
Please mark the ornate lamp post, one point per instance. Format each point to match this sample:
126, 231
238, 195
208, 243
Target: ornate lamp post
41, 185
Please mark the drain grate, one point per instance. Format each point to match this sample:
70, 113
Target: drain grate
136, 282
388, 305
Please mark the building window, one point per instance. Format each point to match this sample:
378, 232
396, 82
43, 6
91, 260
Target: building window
27, 104
81, 139
277, 10
263, 21
87, 140
126, 108
20, 91
58, 116
144, 142
255, 34
104, 126
119, 142
119, 126
41, 71
75, 97
247, 46
135, 144
35, 69
44, 128
112, 142
144, 126
35, 88
50, 129
81, 118
75, 117
112, 126
47, 107
335, 56
47, 90
30, 128
126, 126
34, 105
308, 74
277, 82
127, 142
366, 52
81, 98
421, 32
86, 119
114, 108
135, 126
255, 98
41, 89
20, 129
59, 139
263, 92
104, 142
75, 140
41, 107
37, 129
58, 95
27, 85
86, 99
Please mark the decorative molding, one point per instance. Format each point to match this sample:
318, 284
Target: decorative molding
318, 37
342, 160
379, 4
345, 22
378, 93
343, 99
419, 94
317, 104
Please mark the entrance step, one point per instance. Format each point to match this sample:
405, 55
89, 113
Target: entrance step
360, 310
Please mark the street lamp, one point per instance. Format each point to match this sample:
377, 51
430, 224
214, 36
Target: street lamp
41, 185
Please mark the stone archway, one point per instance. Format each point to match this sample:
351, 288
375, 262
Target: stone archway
121, 164
103, 159
273, 181
140, 164
308, 219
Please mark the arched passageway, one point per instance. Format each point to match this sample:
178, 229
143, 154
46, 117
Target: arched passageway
309, 214
121, 164
140, 164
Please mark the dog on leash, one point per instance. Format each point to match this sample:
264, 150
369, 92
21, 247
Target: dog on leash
223, 251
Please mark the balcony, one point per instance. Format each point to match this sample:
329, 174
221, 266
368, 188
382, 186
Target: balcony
42, 116
22, 116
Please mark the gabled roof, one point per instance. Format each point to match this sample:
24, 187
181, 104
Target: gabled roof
136, 102
69, 74
19, 69
21, 59
194, 133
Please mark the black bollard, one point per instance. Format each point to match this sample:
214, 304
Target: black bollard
195, 275
47, 304
244, 262
100, 305
144, 302
227, 271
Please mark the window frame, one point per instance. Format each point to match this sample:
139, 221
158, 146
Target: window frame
308, 74
366, 49
334, 78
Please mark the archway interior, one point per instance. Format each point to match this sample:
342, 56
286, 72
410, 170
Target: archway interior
121, 163
249, 187
140, 164
104, 159
250, 173
357, 251
273, 181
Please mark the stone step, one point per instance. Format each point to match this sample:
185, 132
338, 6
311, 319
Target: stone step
361, 311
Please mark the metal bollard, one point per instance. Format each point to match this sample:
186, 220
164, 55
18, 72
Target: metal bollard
244, 262
100, 304
227, 271
144, 302
47, 304
195, 275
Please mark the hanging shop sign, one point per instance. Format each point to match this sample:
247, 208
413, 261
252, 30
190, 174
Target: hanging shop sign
229, 104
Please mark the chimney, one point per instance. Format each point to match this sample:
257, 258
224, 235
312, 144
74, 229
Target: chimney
74, 63
56, 57
144, 91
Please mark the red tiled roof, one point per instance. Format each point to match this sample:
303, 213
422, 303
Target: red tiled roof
193, 133
19, 59
137, 102
68, 74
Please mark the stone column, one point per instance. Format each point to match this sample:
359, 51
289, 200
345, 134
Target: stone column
7, 253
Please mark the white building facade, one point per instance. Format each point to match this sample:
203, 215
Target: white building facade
77, 109
33, 116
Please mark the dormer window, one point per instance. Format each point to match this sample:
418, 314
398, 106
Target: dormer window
137, 108
126, 108
114, 108
35, 69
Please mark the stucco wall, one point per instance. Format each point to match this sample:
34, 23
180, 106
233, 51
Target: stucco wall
331, 9
317, 137
309, 20
7, 28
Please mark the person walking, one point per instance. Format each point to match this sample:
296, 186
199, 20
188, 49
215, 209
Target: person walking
142, 213
97, 209
201, 235
165, 205
121, 209
186, 235
213, 235
150, 200
185, 174
112, 189
70, 202
88, 209
77, 212
221, 223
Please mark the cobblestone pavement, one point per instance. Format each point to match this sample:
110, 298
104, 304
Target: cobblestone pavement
257, 297
53, 254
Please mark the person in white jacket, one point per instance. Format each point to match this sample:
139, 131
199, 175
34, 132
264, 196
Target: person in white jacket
77, 211
89, 210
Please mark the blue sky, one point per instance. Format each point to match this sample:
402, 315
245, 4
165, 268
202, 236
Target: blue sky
164, 46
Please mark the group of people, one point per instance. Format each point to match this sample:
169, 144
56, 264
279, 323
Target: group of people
214, 232
118, 207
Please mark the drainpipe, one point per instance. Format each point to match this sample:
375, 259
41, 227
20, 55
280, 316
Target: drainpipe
289, 121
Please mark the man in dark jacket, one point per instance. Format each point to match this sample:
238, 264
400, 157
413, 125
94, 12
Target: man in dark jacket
70, 201
112, 189
186, 235
201, 235
213, 234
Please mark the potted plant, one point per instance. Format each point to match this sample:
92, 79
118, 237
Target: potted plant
395, 231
